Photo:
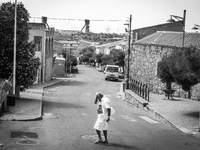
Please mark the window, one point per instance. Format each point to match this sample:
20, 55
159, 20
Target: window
46, 46
38, 43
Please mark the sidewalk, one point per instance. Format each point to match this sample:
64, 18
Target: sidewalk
29, 105
182, 114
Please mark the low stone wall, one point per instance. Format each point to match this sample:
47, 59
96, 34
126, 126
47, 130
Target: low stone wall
134, 99
3, 97
3, 100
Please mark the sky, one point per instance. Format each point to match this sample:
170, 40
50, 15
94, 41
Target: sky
70, 14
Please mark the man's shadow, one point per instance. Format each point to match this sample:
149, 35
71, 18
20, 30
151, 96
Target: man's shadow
122, 146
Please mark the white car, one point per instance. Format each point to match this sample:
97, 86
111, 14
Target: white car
111, 72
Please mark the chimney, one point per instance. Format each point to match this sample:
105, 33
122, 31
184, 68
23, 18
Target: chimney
44, 20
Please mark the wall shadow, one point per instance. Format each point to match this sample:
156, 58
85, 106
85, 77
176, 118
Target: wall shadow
194, 114
60, 105
69, 83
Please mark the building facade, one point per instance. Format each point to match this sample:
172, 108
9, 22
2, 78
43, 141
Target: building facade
43, 38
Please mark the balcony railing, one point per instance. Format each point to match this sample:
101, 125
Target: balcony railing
140, 88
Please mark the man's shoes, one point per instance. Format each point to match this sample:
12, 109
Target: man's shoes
98, 141
105, 142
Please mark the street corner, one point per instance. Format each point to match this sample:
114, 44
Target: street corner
120, 95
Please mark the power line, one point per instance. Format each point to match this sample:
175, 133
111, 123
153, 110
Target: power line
78, 19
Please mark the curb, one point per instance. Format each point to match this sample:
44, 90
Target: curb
41, 103
51, 84
158, 116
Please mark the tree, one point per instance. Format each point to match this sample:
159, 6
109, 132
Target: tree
87, 53
91, 60
118, 57
107, 59
185, 66
74, 61
99, 58
26, 63
182, 66
164, 72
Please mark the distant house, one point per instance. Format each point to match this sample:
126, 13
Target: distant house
43, 38
147, 52
106, 48
68, 47
67, 32
83, 44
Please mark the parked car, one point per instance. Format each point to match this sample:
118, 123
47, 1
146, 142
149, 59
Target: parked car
111, 72
121, 75
100, 69
74, 69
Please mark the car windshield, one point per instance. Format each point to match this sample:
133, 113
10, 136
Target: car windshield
112, 69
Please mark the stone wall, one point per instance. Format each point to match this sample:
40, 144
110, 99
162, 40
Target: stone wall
3, 98
143, 64
143, 67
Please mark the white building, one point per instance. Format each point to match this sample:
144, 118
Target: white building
43, 38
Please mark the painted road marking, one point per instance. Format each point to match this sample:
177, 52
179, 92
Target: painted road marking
148, 119
84, 114
88, 93
128, 118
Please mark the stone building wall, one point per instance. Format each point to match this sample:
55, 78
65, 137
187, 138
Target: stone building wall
143, 67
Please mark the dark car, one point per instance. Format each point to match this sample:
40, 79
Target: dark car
74, 69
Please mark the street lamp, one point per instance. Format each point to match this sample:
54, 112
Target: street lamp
129, 46
14, 59
197, 27
182, 20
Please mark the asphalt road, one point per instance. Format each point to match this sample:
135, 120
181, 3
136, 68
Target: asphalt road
70, 114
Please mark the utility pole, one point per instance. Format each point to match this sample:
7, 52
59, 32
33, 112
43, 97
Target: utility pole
129, 51
14, 58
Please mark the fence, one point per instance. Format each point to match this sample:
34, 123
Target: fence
140, 88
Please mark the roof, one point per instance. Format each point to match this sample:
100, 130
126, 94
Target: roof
123, 42
83, 44
37, 25
67, 42
172, 39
